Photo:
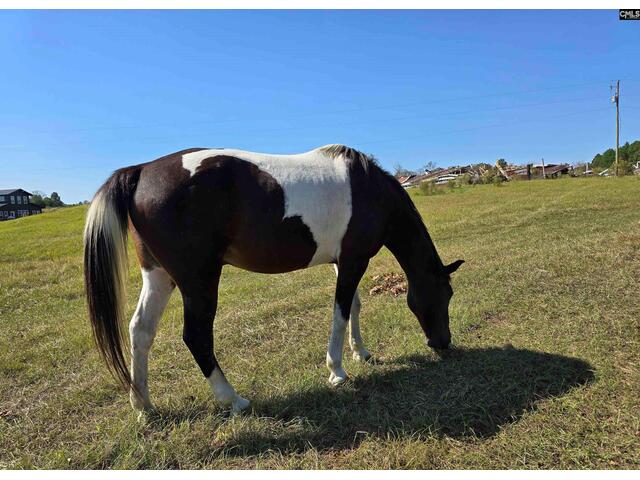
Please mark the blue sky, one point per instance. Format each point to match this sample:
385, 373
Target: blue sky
84, 93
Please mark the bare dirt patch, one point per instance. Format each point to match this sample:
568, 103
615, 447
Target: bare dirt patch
392, 283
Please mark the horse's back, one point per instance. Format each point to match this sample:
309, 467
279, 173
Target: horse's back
261, 212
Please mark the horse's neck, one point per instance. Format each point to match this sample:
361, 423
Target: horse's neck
411, 245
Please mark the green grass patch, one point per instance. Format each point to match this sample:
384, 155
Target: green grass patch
545, 320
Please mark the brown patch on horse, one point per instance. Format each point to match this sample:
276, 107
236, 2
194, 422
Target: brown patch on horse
145, 257
259, 239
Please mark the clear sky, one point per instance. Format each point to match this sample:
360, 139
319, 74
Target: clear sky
84, 93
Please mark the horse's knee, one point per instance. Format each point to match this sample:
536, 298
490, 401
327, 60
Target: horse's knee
356, 305
192, 339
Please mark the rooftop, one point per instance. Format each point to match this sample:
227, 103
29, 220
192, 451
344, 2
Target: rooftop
9, 191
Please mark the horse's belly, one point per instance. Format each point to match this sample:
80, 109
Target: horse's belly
303, 239
276, 261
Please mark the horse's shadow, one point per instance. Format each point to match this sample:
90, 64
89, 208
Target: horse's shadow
468, 392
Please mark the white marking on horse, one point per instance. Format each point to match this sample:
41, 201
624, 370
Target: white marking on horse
156, 291
316, 187
358, 350
336, 345
224, 392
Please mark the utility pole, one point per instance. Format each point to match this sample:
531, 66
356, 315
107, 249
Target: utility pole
616, 100
543, 174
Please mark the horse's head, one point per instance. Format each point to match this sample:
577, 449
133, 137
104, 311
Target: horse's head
429, 302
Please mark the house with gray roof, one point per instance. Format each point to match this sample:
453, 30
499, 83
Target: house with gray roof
14, 203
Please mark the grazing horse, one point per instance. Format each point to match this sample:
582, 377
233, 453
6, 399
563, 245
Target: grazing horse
196, 210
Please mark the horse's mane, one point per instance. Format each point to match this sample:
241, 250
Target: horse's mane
394, 185
385, 181
336, 150
370, 165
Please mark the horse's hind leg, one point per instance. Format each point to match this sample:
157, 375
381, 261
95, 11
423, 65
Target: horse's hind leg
358, 350
200, 303
156, 290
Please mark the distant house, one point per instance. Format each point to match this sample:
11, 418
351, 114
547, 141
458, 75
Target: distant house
14, 203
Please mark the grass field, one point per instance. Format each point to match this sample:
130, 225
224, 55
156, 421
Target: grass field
545, 373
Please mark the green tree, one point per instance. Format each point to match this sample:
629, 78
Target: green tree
38, 198
56, 201
629, 154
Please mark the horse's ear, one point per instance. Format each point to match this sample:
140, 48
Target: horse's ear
452, 267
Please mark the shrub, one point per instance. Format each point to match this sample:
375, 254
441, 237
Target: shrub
464, 179
427, 188
625, 167
488, 176
430, 188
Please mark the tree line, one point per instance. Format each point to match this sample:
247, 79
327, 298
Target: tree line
629, 155
42, 200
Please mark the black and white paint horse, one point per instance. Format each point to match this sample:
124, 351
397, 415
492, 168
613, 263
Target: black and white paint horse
196, 210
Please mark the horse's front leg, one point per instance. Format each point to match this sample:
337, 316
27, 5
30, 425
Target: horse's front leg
200, 303
349, 275
358, 350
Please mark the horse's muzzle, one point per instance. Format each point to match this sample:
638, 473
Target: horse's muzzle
440, 343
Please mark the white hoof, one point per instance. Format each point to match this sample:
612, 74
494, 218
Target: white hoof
362, 355
338, 379
239, 404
